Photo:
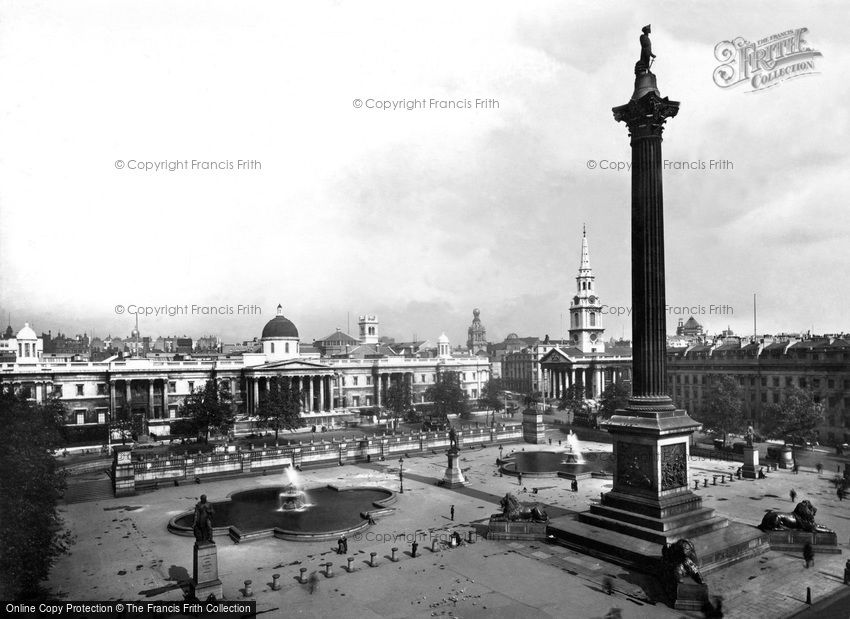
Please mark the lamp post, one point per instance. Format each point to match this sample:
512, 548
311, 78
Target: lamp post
401, 475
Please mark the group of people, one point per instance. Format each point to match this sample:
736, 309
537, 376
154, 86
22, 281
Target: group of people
342, 545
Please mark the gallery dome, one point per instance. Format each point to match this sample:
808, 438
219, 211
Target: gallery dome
279, 326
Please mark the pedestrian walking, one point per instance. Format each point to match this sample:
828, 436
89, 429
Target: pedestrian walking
819, 468
796, 468
808, 554
413, 548
793, 495
519, 479
452, 512
344, 544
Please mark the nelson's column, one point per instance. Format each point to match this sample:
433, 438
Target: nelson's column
650, 504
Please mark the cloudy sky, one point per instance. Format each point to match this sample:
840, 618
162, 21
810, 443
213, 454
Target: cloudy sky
415, 215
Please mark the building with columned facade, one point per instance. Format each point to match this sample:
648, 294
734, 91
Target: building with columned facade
148, 392
583, 359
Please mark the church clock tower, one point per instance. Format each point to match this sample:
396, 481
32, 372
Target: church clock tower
586, 310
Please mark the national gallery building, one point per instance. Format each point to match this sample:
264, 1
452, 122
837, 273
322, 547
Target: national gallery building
149, 391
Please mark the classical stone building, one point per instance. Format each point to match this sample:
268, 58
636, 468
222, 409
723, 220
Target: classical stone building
149, 391
765, 368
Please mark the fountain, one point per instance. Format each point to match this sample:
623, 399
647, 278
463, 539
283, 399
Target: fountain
571, 464
575, 454
292, 513
292, 498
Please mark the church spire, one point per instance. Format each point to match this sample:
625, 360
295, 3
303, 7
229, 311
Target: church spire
585, 253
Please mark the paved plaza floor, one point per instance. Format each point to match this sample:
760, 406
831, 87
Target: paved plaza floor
124, 551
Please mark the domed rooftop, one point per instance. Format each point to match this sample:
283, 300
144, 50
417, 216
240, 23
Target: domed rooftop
279, 326
443, 339
27, 333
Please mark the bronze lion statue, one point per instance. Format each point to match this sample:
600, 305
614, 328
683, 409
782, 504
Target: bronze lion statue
512, 510
801, 519
678, 561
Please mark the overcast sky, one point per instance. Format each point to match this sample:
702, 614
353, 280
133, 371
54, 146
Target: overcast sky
415, 215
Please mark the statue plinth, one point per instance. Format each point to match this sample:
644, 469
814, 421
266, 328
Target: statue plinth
749, 470
453, 477
205, 581
533, 430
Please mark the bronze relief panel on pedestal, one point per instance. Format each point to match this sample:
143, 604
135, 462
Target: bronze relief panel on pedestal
634, 465
674, 467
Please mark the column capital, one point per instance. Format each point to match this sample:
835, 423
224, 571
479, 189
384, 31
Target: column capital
645, 117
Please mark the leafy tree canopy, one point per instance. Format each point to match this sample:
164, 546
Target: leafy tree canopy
448, 396
615, 397
797, 415
210, 408
724, 406
280, 408
31, 483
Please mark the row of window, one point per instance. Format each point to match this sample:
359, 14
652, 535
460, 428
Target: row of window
775, 381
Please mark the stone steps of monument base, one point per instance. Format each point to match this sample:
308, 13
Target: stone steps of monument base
716, 550
610, 546
659, 537
82, 492
650, 522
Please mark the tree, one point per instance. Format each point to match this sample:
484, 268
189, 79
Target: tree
492, 395
615, 397
724, 406
281, 408
797, 415
210, 408
30, 486
573, 400
448, 396
400, 398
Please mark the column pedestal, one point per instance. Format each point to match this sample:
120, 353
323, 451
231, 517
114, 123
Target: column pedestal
453, 477
205, 581
533, 430
751, 463
123, 475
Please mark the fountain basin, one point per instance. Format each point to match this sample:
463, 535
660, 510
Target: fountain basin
254, 514
559, 464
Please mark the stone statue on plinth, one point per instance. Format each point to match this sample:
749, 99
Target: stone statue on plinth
453, 439
646, 55
205, 583
202, 524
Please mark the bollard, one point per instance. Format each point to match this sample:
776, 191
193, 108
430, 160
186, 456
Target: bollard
714, 480
705, 483
275, 582
393, 558
434, 545
696, 484
248, 590
469, 537
350, 569
303, 580
809, 596
329, 569
730, 476
372, 559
